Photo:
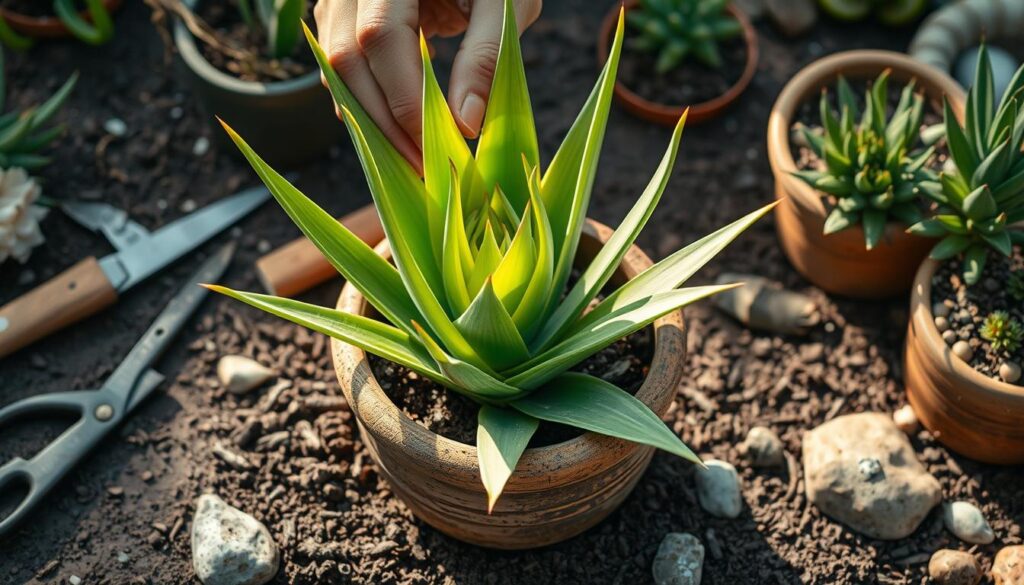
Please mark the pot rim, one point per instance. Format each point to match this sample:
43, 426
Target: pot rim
931, 342
188, 48
47, 26
820, 73
700, 110
573, 458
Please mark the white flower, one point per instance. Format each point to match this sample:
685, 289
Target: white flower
19, 218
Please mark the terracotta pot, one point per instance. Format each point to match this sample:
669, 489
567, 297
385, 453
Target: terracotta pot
839, 263
970, 413
556, 492
288, 123
46, 27
669, 114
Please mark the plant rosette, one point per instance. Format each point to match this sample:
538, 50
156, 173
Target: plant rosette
669, 113
289, 122
839, 262
48, 27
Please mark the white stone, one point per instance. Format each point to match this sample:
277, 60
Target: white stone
861, 470
967, 523
116, 126
230, 547
906, 419
201, 146
764, 448
239, 374
718, 489
679, 561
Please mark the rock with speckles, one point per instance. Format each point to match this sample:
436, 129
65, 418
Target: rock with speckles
230, 547
679, 561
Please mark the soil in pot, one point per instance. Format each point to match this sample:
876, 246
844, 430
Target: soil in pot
691, 82
231, 30
966, 308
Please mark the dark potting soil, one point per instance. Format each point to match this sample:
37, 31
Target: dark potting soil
970, 304
224, 18
30, 7
123, 516
688, 84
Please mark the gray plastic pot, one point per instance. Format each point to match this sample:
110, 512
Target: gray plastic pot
286, 122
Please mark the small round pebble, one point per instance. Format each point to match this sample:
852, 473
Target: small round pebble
949, 336
764, 448
942, 324
1008, 566
967, 523
116, 126
962, 350
1009, 372
940, 310
718, 489
906, 419
954, 567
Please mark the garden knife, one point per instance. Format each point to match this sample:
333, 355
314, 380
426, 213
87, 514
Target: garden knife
94, 284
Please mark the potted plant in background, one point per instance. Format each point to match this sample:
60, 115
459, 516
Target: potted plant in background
61, 18
825, 210
888, 12
243, 61
480, 301
682, 54
965, 341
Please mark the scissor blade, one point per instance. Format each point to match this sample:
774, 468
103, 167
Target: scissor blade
128, 267
167, 324
112, 222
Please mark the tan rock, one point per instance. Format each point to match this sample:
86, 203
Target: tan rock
954, 567
1008, 566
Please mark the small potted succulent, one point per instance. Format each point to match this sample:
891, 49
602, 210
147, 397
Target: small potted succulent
888, 12
850, 171
965, 342
473, 293
682, 54
244, 62
61, 18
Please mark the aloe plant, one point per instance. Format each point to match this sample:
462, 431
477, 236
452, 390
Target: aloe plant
981, 199
280, 20
678, 29
22, 133
483, 247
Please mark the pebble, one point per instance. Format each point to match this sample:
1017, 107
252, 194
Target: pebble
679, 561
949, 336
240, 375
967, 523
230, 547
122, 557
1004, 65
188, 206
718, 489
201, 146
263, 246
116, 126
953, 567
177, 112
1008, 566
763, 448
792, 17
906, 419
861, 470
1009, 372
940, 310
75, 580
942, 324
962, 350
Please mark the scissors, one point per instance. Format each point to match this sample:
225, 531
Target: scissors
101, 410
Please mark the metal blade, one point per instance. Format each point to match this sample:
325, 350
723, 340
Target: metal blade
128, 267
167, 324
112, 222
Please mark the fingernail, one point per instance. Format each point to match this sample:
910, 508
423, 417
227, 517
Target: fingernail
472, 113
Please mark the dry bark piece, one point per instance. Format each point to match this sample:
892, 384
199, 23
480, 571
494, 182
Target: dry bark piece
760, 305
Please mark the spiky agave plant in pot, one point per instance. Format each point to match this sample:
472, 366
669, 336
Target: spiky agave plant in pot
245, 58
479, 300
965, 342
849, 165
698, 55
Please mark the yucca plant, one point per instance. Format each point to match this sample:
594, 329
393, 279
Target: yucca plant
678, 29
22, 133
280, 20
483, 247
874, 163
984, 196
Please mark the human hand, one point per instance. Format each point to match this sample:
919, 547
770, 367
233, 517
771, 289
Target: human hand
374, 47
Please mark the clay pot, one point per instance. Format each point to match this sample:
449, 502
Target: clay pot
839, 263
556, 492
970, 413
46, 27
669, 114
287, 123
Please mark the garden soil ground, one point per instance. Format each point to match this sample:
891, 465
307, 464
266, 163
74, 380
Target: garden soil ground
123, 516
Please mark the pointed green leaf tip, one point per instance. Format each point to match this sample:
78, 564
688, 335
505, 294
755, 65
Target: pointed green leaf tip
502, 435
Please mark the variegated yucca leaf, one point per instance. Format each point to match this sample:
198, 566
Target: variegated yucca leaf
483, 246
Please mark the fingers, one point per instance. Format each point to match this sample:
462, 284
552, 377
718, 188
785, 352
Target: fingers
388, 35
473, 68
336, 26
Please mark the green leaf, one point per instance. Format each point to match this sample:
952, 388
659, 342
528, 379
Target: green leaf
456, 256
10, 38
929, 228
879, 98
979, 204
847, 98
980, 100
514, 272
46, 111
828, 119
502, 435
508, 131
874, 227
487, 326
1000, 241
964, 155
480, 385
590, 403
839, 220
974, 263
950, 246
487, 260
283, 27
995, 165
527, 314
97, 32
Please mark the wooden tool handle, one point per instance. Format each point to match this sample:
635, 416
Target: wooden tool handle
66, 298
298, 265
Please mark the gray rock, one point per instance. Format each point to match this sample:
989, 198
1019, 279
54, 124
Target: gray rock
718, 489
792, 17
1008, 566
1004, 65
230, 547
680, 560
967, 523
763, 448
861, 470
954, 567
